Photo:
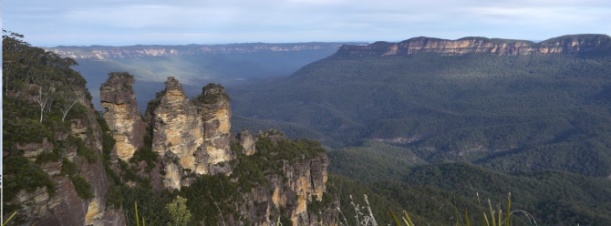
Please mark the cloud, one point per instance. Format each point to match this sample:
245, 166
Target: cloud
126, 22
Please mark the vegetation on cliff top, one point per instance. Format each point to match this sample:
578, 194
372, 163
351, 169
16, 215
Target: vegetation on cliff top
41, 100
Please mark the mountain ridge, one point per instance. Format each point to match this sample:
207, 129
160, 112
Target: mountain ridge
100, 52
563, 44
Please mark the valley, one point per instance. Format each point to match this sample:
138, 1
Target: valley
431, 126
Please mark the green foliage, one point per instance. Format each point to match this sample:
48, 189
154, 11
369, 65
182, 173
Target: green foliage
146, 153
82, 187
39, 88
46, 157
210, 198
457, 182
494, 110
317, 207
68, 168
344, 188
212, 94
108, 143
19, 173
373, 161
86, 152
181, 216
114, 198
23, 130
151, 205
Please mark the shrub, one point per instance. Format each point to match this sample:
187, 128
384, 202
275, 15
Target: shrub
82, 187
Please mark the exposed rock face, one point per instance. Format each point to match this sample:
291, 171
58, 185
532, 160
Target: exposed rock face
575, 44
107, 52
307, 180
191, 136
215, 112
247, 141
177, 134
299, 183
65, 207
566, 44
122, 115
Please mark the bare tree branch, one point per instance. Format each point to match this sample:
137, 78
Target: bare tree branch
67, 104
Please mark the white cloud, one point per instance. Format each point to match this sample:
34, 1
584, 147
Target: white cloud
220, 21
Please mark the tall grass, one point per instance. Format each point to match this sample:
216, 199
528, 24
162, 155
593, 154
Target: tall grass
8, 220
491, 215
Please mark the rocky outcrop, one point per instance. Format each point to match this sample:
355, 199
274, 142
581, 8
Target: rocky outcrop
575, 44
191, 136
247, 141
289, 192
122, 114
215, 112
64, 206
570, 44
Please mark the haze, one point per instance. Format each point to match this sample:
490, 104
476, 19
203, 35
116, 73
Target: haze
114, 22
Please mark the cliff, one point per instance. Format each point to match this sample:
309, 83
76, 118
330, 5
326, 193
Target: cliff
52, 156
109, 52
280, 180
271, 177
570, 44
66, 164
190, 136
122, 114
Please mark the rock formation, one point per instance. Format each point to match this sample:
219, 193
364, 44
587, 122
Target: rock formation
191, 136
299, 181
247, 141
66, 170
569, 44
63, 205
122, 115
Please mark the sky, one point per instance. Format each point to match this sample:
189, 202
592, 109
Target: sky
129, 22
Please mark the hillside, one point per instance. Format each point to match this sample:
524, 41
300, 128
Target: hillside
543, 110
432, 125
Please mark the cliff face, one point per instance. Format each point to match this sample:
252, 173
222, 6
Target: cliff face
285, 192
122, 114
566, 44
215, 112
107, 52
298, 185
64, 205
191, 136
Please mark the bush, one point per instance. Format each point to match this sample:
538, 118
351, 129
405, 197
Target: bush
82, 187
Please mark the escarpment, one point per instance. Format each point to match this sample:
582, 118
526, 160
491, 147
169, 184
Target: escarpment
286, 188
122, 114
570, 44
52, 160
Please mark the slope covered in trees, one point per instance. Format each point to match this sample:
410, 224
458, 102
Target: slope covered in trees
514, 113
429, 130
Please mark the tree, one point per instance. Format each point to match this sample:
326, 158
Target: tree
179, 212
43, 98
67, 104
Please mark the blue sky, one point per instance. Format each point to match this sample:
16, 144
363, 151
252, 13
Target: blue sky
129, 22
